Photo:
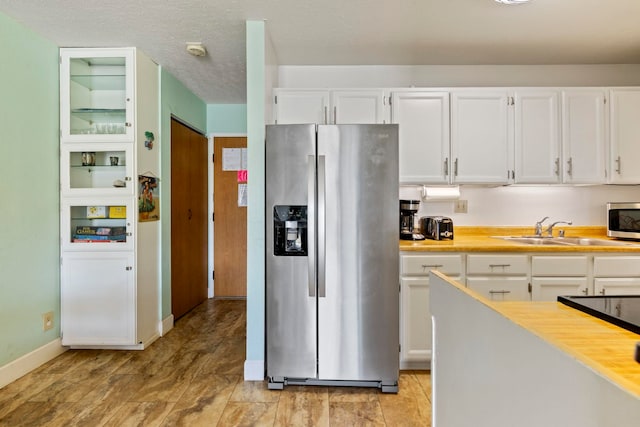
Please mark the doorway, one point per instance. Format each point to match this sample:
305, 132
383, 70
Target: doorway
188, 218
230, 217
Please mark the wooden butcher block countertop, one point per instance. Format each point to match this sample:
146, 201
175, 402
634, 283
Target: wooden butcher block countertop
479, 239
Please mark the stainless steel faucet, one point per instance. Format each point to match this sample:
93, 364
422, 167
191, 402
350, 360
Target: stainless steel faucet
539, 226
549, 230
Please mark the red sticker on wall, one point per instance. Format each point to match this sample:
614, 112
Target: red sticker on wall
242, 175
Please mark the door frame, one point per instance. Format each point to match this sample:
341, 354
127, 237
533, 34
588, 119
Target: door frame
211, 137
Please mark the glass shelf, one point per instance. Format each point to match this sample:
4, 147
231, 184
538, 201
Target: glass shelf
100, 82
98, 224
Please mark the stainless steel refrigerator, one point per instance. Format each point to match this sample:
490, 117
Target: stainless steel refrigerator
332, 280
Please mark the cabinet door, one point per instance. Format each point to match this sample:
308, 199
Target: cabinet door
97, 224
301, 106
96, 95
617, 286
501, 288
625, 136
583, 136
415, 341
424, 136
98, 299
537, 137
480, 143
550, 288
97, 168
358, 106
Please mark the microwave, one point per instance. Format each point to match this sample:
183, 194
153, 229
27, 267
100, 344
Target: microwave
623, 220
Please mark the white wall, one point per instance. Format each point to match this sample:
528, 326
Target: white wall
524, 205
458, 75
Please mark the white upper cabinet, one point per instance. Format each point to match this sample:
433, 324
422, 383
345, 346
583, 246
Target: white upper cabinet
480, 143
423, 119
296, 106
583, 136
624, 110
537, 137
96, 95
301, 106
358, 106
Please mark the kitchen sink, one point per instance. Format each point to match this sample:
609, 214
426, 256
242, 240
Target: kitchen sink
563, 241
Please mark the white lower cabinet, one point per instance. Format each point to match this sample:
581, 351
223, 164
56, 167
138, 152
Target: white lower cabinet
616, 275
555, 275
98, 299
501, 288
415, 317
499, 277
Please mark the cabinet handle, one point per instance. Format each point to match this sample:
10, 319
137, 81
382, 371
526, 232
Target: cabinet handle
325, 115
189, 214
127, 124
455, 167
335, 115
557, 171
127, 178
446, 167
129, 268
499, 265
570, 166
499, 292
425, 266
585, 291
602, 292
619, 168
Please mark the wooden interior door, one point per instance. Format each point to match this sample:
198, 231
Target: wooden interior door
230, 225
188, 219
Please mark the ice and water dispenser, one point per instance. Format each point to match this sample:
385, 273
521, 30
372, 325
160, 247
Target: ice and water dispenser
290, 230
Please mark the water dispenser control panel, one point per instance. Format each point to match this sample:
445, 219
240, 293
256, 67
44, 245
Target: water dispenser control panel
290, 230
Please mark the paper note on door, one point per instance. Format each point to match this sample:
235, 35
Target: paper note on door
242, 195
234, 159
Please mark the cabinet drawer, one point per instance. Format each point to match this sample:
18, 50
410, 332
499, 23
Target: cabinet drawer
500, 265
421, 264
559, 265
500, 288
618, 266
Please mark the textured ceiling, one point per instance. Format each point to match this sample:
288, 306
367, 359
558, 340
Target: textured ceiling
340, 32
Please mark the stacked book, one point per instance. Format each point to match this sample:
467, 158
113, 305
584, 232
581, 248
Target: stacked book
86, 234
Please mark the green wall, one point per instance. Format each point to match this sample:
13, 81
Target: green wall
29, 185
255, 209
227, 119
175, 100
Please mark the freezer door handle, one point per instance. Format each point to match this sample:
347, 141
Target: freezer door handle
311, 231
321, 226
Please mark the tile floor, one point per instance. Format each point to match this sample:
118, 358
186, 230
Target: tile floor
193, 377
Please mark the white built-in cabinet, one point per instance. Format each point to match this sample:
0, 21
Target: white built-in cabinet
584, 136
423, 119
349, 106
624, 113
106, 299
499, 277
480, 142
618, 275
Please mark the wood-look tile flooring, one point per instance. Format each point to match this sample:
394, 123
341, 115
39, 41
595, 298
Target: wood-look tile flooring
193, 376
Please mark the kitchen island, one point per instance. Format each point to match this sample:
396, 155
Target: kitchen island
528, 363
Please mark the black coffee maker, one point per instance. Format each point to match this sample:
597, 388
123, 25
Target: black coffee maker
408, 211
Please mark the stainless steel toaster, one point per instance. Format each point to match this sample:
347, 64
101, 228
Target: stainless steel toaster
437, 227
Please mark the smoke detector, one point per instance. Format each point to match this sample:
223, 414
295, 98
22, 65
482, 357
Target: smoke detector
196, 49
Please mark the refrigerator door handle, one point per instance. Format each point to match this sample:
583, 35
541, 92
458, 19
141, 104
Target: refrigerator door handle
311, 231
321, 227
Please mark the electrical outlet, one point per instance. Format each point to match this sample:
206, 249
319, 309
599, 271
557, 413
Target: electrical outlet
460, 206
47, 321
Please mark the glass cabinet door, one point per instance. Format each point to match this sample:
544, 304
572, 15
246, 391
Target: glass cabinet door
97, 225
96, 95
96, 168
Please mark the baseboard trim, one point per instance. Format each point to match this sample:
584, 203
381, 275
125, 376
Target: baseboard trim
30, 361
166, 325
254, 370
